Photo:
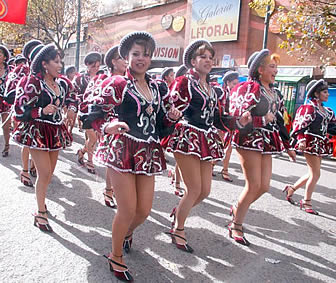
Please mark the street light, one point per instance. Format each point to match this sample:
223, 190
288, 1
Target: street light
78, 35
267, 20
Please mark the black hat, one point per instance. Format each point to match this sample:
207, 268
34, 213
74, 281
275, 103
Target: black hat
166, 71
181, 71
19, 57
190, 49
127, 41
34, 52
92, 57
29, 46
11, 61
70, 69
230, 76
109, 55
312, 85
6, 52
36, 62
254, 61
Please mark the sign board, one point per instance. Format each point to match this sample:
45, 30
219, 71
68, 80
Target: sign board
169, 53
216, 20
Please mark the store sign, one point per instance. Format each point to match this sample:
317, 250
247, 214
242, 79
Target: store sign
166, 53
216, 20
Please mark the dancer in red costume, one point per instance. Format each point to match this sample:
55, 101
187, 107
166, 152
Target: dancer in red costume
195, 141
38, 106
264, 136
312, 123
131, 143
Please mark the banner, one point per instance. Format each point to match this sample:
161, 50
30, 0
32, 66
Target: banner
216, 20
13, 11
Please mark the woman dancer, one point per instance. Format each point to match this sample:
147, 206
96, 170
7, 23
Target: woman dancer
264, 136
38, 107
30, 49
195, 141
230, 80
92, 61
131, 148
4, 106
312, 123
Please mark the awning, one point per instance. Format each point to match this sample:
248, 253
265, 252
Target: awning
330, 72
291, 79
285, 71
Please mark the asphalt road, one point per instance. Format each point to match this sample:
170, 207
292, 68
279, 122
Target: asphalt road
303, 245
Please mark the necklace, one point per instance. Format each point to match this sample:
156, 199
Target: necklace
205, 87
147, 95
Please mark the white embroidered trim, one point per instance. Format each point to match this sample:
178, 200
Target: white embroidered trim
102, 128
206, 158
211, 128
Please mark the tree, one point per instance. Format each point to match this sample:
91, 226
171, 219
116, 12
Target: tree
50, 21
309, 28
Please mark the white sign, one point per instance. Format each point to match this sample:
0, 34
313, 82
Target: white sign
226, 61
166, 53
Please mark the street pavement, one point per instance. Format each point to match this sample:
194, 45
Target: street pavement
288, 245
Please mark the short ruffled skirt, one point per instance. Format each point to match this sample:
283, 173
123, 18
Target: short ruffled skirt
317, 145
4, 106
42, 136
125, 153
264, 141
190, 140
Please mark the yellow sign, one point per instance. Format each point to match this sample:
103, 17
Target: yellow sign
178, 23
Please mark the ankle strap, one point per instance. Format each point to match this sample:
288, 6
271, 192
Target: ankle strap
117, 255
26, 171
237, 224
43, 212
177, 229
306, 200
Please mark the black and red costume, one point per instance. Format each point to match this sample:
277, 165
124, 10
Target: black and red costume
312, 125
4, 106
80, 84
138, 151
270, 138
197, 134
37, 130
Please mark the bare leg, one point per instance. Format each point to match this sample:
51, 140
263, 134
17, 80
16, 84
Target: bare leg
6, 129
314, 165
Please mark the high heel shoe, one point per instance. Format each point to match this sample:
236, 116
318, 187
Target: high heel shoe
121, 275
303, 204
90, 167
5, 151
25, 179
238, 239
109, 201
288, 196
45, 227
80, 157
128, 243
184, 247
179, 191
173, 214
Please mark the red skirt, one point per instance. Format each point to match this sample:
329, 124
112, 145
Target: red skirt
189, 140
317, 145
43, 136
130, 155
264, 141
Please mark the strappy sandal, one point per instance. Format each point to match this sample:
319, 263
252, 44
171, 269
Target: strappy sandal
26, 179
226, 176
44, 227
90, 167
109, 201
121, 275
128, 243
80, 157
214, 174
184, 247
32, 169
309, 209
5, 151
171, 175
179, 191
238, 239
289, 196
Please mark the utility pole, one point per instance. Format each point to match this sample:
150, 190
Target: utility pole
78, 35
267, 20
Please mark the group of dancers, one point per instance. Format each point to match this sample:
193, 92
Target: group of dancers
135, 118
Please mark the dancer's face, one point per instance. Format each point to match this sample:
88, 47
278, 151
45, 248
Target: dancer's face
93, 68
268, 72
203, 63
53, 67
119, 66
170, 77
323, 95
138, 59
232, 84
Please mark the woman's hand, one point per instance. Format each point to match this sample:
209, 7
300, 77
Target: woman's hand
174, 114
116, 127
70, 118
302, 145
269, 117
292, 155
49, 109
245, 119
